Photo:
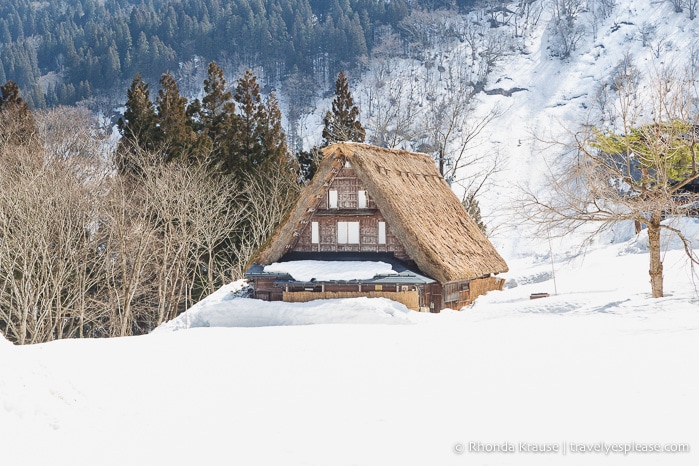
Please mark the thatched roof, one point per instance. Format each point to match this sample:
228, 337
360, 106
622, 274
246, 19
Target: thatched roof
419, 206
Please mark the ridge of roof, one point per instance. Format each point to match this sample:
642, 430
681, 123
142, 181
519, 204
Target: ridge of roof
418, 204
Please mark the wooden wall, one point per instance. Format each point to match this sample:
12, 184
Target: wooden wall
409, 298
456, 295
481, 286
430, 297
347, 185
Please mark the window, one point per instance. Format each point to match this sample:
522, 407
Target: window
332, 199
361, 199
347, 232
315, 237
382, 232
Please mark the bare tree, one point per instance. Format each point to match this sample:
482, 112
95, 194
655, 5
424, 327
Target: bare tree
265, 203
632, 171
527, 15
566, 31
46, 249
678, 4
391, 106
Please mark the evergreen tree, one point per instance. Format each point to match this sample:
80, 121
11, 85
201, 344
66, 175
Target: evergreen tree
471, 205
258, 136
342, 123
175, 135
273, 137
308, 163
17, 125
137, 126
216, 115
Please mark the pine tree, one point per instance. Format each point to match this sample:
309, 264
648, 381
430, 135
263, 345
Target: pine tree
175, 136
308, 163
17, 125
471, 205
216, 114
137, 126
342, 123
258, 136
273, 137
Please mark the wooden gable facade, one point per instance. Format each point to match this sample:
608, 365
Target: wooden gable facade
368, 203
347, 219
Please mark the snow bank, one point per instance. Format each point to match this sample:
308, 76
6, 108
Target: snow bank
4, 343
668, 240
225, 309
306, 270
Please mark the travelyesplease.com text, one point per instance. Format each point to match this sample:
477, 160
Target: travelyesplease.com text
573, 448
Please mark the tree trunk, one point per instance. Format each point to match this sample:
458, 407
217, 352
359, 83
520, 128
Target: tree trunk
656, 264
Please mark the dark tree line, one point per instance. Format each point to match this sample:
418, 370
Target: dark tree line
60, 52
234, 133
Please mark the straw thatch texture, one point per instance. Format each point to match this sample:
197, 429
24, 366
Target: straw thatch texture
483, 285
417, 203
309, 199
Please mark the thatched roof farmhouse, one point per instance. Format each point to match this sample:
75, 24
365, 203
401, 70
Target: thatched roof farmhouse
369, 203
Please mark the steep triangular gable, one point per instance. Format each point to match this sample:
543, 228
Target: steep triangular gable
286, 235
424, 213
417, 204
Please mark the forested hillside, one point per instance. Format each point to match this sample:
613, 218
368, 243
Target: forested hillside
61, 52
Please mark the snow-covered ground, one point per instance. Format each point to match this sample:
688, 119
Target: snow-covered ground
236, 381
598, 364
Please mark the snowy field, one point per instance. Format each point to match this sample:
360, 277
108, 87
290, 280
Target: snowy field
600, 364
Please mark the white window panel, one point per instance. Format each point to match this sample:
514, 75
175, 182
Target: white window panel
353, 232
361, 199
315, 236
332, 199
347, 232
382, 232
341, 232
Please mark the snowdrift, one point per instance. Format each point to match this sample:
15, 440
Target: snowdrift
668, 240
226, 308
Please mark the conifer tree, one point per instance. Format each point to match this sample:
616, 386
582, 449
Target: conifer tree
258, 134
175, 136
342, 122
216, 106
273, 137
17, 126
137, 128
216, 116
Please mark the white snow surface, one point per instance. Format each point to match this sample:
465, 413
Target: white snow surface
598, 361
224, 309
237, 381
305, 270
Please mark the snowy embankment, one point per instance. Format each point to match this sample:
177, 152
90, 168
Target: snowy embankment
598, 362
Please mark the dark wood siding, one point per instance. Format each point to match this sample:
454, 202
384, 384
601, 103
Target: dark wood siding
347, 186
265, 289
456, 295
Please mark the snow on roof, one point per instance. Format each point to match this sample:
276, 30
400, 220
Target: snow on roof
306, 270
